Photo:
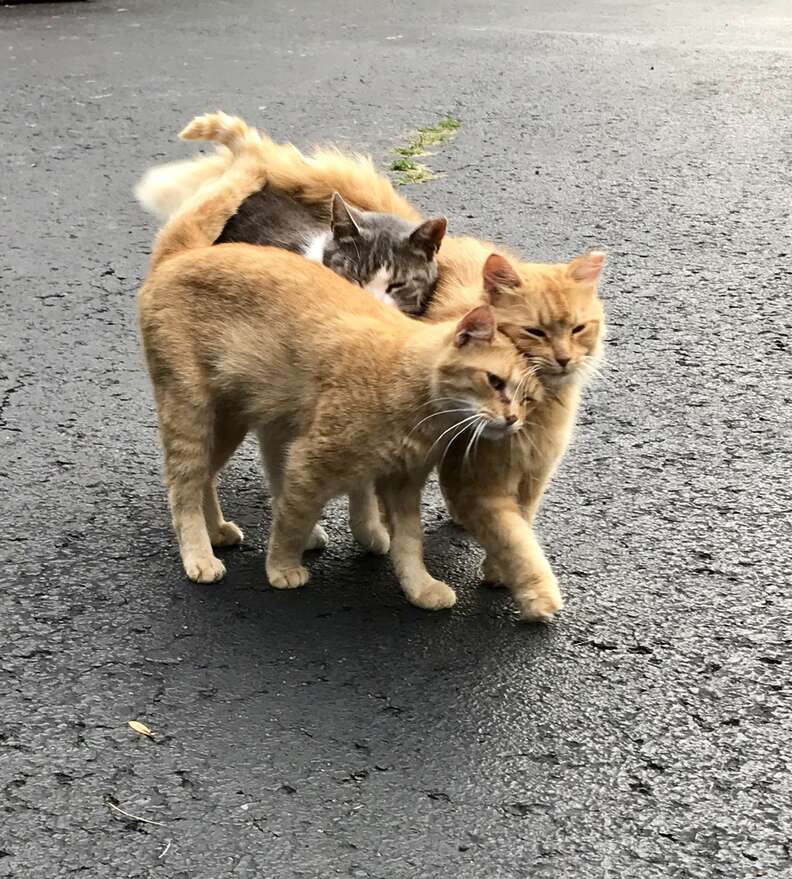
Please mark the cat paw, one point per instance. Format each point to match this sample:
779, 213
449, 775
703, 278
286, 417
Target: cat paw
204, 570
287, 578
432, 595
318, 538
540, 603
228, 534
493, 579
372, 537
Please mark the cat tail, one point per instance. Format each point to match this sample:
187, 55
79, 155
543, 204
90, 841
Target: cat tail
314, 178
200, 219
310, 179
220, 128
163, 189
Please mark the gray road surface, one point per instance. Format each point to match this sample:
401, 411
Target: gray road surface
336, 731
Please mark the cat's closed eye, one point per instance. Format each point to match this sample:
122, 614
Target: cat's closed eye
393, 288
496, 381
579, 328
535, 331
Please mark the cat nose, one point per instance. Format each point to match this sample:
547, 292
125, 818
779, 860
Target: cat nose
511, 419
562, 361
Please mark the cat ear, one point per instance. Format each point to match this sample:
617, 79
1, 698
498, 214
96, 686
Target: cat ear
499, 275
477, 324
588, 268
342, 223
429, 236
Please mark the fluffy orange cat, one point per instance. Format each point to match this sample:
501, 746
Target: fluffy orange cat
339, 388
551, 311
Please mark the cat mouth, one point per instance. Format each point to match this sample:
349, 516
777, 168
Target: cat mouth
498, 430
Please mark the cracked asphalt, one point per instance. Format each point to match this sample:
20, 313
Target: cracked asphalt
337, 731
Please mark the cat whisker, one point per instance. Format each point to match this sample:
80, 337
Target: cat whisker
477, 436
435, 415
527, 374
464, 423
454, 438
476, 430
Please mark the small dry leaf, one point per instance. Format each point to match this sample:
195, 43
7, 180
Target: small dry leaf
139, 727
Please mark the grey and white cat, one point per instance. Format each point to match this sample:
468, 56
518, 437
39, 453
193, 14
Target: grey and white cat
391, 258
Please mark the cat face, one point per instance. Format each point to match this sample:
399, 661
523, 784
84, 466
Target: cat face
391, 258
481, 380
555, 317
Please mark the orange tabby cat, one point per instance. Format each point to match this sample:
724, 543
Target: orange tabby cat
551, 311
340, 388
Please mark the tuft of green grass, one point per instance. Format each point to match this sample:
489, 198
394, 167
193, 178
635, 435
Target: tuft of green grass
408, 169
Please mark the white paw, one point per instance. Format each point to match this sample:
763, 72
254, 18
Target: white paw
204, 570
229, 534
287, 578
372, 537
318, 538
540, 603
432, 595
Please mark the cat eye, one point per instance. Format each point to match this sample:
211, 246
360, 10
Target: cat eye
496, 381
392, 288
579, 328
535, 331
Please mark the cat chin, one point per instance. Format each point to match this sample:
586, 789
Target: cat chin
557, 381
500, 431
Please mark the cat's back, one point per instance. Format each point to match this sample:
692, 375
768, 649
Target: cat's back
272, 217
253, 284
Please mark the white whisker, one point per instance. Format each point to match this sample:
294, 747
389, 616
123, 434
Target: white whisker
477, 436
452, 441
435, 414
476, 429
464, 423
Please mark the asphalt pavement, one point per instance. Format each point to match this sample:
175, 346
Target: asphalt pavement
336, 731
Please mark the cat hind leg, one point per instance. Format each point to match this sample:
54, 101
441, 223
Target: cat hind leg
185, 439
227, 439
365, 521
273, 444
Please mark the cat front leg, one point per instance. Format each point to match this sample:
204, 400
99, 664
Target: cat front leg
530, 494
499, 525
402, 499
365, 520
488, 507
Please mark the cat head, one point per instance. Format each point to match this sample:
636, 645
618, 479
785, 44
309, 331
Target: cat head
552, 313
481, 380
393, 259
